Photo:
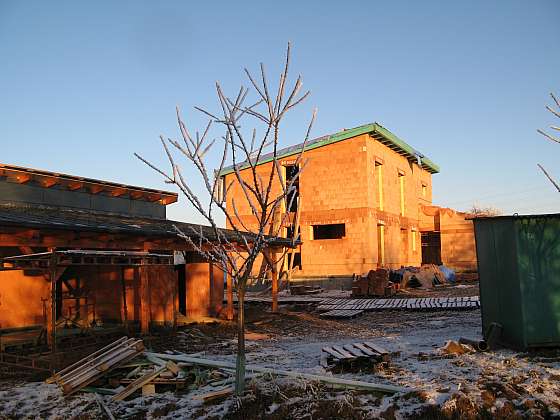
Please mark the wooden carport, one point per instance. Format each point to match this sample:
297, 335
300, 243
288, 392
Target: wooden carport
48, 239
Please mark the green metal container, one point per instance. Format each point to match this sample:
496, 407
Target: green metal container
519, 270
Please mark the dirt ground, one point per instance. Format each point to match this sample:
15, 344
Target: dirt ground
499, 384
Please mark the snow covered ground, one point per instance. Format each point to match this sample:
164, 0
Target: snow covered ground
502, 383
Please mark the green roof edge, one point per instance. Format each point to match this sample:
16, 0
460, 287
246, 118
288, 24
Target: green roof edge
346, 134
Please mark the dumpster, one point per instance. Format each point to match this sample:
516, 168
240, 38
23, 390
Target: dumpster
519, 270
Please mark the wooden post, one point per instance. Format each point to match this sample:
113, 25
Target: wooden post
144, 299
174, 278
270, 256
125, 308
229, 284
52, 324
274, 289
296, 234
211, 291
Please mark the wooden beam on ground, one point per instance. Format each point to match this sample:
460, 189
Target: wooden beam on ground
214, 395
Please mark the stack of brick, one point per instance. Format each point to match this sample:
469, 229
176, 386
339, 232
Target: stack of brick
375, 283
360, 286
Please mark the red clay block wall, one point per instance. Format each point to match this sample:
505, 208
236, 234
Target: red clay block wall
340, 185
20, 299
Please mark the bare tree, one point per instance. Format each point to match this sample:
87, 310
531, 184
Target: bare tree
478, 210
237, 250
556, 113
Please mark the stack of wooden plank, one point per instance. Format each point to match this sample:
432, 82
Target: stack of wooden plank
96, 365
354, 356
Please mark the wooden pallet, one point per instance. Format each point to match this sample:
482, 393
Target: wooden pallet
360, 355
342, 313
97, 364
420, 304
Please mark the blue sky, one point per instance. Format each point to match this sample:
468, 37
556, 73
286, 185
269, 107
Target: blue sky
83, 85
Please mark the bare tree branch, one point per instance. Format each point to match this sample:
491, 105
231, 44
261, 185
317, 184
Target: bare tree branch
549, 177
551, 137
237, 250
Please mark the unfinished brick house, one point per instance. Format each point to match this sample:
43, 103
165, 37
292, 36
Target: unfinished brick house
82, 254
366, 202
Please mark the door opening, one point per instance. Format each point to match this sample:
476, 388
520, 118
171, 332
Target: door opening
431, 248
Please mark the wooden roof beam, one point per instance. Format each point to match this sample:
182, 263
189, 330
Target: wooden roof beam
48, 181
74, 185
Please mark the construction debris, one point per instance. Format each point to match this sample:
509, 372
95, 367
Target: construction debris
426, 276
339, 382
355, 356
97, 365
454, 347
123, 368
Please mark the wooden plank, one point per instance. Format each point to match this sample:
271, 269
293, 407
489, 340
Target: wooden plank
364, 349
353, 350
334, 353
343, 352
138, 383
376, 348
83, 376
211, 396
87, 359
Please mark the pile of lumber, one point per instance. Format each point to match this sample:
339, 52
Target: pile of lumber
374, 283
124, 369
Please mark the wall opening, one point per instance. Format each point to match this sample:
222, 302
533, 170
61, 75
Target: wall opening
297, 260
333, 231
293, 197
181, 289
379, 176
401, 188
380, 245
404, 245
431, 248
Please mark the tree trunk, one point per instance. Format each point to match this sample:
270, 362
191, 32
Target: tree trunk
240, 362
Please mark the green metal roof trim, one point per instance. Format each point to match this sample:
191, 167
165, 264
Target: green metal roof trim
372, 129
